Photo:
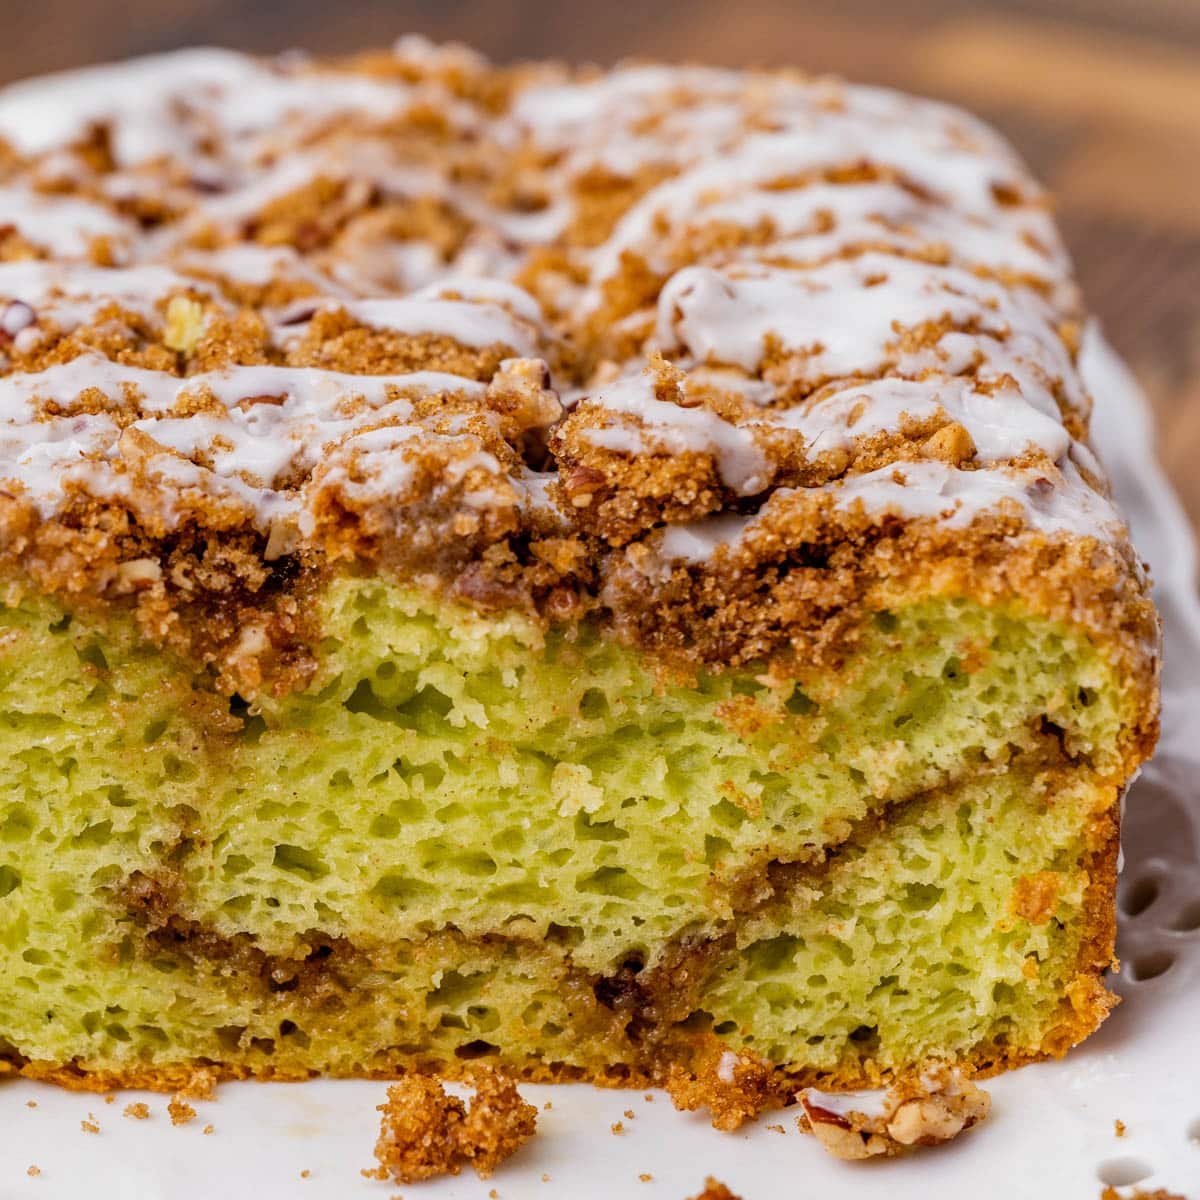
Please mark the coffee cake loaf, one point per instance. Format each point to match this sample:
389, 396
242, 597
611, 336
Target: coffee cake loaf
599, 570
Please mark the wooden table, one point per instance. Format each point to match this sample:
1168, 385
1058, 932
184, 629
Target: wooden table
1102, 97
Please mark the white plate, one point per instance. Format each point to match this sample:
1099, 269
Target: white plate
1052, 1130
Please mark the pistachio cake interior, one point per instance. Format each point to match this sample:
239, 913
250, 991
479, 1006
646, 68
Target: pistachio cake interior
599, 570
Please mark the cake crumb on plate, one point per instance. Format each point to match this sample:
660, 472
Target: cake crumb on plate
714, 1189
425, 1132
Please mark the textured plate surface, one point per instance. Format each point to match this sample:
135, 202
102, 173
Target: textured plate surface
1052, 1130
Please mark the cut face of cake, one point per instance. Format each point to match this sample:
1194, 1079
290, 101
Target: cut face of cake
600, 571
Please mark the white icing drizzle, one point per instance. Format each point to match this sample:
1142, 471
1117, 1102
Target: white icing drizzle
957, 497
252, 264
885, 216
874, 1104
276, 422
847, 316
1051, 502
670, 427
733, 190
489, 311
71, 294
166, 105
62, 225
1002, 424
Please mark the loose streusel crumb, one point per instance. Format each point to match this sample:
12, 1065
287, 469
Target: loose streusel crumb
306, 1174
31, 1104
208, 1129
733, 1087
181, 1111
1119, 1127
139, 1111
645, 1177
630, 1114
34, 1171
777, 1129
110, 1098
714, 1189
91, 1125
1111, 1193
545, 1177
425, 1132
618, 1128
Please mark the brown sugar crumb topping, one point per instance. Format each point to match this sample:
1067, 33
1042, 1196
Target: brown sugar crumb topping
425, 1132
436, 322
139, 1111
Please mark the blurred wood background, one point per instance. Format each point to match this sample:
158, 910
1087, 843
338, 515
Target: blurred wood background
1101, 96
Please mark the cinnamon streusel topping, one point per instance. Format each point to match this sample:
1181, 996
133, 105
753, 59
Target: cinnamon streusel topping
579, 342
